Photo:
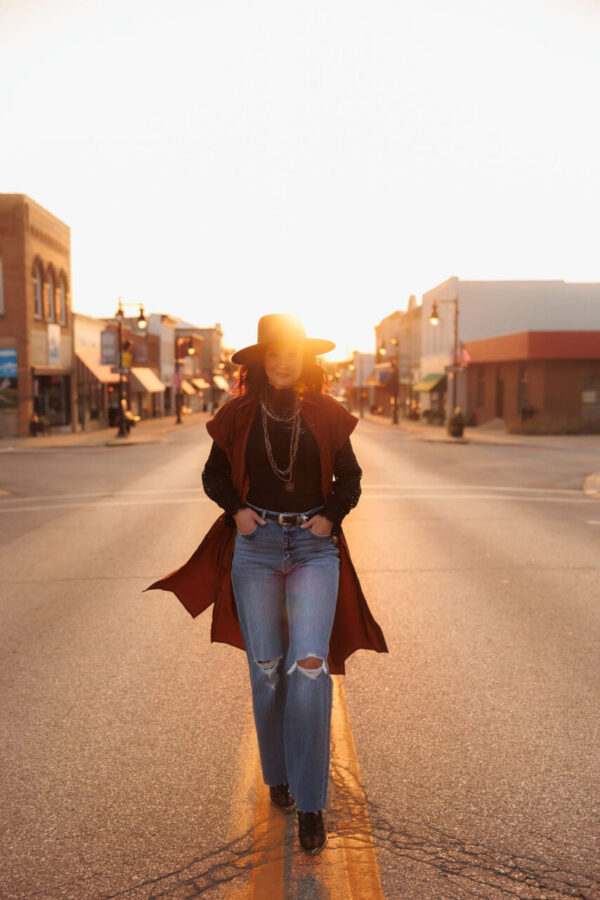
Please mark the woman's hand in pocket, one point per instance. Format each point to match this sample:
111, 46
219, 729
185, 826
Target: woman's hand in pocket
319, 525
246, 519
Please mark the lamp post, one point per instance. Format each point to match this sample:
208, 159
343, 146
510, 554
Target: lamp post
396, 378
142, 323
178, 377
435, 320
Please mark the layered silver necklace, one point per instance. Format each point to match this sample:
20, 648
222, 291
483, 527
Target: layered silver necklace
286, 417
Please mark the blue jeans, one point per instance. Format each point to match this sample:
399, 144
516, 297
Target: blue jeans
285, 582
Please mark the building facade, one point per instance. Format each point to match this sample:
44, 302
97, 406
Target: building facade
542, 380
398, 355
36, 323
163, 326
483, 310
96, 384
213, 364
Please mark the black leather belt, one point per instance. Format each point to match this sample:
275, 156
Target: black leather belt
287, 518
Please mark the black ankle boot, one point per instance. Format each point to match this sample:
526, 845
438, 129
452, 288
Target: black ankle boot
311, 832
281, 798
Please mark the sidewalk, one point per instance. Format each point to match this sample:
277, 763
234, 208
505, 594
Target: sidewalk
148, 431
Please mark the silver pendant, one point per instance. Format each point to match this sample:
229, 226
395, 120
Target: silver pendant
289, 486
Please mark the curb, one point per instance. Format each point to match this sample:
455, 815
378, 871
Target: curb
591, 486
121, 443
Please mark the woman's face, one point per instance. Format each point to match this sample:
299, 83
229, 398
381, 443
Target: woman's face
283, 364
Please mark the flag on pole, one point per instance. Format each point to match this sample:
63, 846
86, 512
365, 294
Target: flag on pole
464, 357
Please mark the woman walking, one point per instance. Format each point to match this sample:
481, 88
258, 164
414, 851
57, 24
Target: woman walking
276, 564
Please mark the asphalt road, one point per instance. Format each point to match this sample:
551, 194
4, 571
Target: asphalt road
477, 736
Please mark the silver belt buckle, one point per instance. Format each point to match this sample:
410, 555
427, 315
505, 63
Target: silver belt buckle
280, 520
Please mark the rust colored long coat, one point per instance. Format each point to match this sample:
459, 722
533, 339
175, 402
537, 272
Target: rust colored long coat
206, 577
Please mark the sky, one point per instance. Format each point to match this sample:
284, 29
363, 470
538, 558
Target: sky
218, 160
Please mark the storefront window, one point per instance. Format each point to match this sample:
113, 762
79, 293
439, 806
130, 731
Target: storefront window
62, 300
51, 297
37, 287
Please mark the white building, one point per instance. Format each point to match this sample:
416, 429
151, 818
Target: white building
164, 327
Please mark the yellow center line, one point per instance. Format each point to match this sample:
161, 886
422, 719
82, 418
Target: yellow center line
347, 869
359, 856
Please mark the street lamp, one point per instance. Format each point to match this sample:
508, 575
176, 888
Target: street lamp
178, 378
435, 320
142, 323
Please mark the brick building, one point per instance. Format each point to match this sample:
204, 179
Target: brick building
548, 379
36, 327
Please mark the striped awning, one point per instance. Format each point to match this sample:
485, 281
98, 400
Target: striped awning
146, 380
90, 358
187, 388
220, 382
429, 383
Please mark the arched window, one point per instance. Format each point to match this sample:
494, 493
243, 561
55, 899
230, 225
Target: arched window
51, 313
62, 301
37, 288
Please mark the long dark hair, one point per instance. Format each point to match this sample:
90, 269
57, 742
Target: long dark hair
252, 379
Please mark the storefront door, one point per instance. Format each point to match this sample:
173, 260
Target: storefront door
52, 400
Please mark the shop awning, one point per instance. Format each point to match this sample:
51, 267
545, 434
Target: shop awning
429, 383
147, 380
201, 384
220, 382
90, 357
187, 388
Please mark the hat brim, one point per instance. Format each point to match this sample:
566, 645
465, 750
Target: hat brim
256, 352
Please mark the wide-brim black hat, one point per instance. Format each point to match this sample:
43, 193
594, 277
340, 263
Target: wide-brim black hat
275, 328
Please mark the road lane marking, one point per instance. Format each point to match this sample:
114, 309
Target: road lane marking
97, 505
107, 493
347, 869
454, 497
367, 486
360, 858
8, 507
199, 490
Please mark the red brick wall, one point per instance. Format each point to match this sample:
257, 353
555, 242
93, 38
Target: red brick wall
28, 231
554, 388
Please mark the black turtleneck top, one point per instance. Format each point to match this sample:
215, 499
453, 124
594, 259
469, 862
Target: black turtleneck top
266, 490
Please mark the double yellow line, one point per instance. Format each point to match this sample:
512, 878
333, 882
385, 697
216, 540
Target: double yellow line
347, 868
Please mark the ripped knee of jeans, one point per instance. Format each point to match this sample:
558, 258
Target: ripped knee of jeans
312, 666
269, 667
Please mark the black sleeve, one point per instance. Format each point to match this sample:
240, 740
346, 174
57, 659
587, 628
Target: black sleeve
216, 479
346, 486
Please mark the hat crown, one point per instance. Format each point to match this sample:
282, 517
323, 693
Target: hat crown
277, 328
280, 327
